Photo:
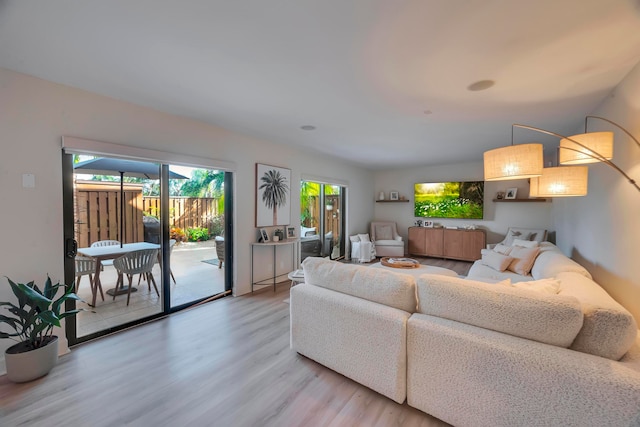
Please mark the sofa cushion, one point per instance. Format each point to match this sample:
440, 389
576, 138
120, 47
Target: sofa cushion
609, 330
523, 259
373, 284
496, 260
550, 262
551, 319
481, 272
550, 285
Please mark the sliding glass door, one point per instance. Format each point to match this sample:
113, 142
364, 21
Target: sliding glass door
322, 220
141, 240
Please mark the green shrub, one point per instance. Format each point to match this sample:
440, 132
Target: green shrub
216, 225
197, 234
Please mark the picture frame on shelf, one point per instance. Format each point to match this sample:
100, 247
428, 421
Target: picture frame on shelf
511, 193
264, 236
394, 195
291, 232
428, 224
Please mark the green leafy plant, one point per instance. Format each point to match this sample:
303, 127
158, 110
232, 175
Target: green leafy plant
197, 234
35, 314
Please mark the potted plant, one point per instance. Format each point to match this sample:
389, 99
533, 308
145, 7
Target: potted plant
33, 319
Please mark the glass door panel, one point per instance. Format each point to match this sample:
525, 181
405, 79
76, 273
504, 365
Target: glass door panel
196, 232
111, 230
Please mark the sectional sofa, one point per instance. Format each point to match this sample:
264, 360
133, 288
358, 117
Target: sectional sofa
474, 353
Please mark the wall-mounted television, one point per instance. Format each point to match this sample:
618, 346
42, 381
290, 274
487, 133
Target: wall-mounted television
449, 199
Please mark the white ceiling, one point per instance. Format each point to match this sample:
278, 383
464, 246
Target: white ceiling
363, 72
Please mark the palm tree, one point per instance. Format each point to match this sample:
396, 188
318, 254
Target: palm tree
275, 191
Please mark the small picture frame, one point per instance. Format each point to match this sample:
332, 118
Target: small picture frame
291, 232
428, 224
511, 193
393, 195
264, 236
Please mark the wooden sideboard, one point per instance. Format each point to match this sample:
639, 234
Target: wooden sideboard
446, 243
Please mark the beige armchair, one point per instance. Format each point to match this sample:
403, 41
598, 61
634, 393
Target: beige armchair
386, 239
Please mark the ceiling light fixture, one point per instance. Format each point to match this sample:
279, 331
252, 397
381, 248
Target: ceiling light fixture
481, 85
556, 182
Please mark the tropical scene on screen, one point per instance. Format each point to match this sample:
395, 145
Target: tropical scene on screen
449, 199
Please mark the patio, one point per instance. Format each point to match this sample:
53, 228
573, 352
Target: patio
195, 279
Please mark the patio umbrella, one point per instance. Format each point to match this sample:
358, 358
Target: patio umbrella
119, 167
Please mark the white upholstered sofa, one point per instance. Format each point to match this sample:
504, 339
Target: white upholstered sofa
473, 353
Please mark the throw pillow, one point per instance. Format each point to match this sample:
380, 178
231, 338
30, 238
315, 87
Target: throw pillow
525, 243
364, 237
502, 249
523, 259
496, 260
354, 239
384, 232
550, 285
515, 234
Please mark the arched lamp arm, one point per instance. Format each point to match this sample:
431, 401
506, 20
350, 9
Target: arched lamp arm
613, 123
588, 153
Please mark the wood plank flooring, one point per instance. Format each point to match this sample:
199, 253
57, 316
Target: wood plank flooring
225, 363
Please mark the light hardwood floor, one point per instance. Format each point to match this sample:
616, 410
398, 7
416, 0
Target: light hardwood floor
225, 363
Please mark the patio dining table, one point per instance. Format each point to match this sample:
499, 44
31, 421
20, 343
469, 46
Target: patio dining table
101, 253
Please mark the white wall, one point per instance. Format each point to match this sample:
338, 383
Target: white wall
498, 217
602, 230
35, 114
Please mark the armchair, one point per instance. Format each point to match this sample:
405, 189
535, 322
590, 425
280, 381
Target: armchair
386, 239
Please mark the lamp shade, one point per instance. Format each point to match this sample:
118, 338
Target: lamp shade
562, 181
596, 146
513, 162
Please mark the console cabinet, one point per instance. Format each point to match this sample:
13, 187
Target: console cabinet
464, 245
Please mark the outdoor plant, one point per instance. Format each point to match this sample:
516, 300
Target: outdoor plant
216, 225
197, 234
178, 234
35, 314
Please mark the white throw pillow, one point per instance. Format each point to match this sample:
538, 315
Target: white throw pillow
550, 285
525, 243
502, 249
364, 237
384, 232
354, 239
496, 260
523, 259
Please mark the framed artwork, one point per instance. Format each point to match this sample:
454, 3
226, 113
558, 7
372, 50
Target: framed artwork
264, 236
393, 195
511, 193
291, 232
273, 195
428, 224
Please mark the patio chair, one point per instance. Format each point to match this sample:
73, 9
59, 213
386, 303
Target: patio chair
86, 266
172, 243
132, 263
220, 250
105, 243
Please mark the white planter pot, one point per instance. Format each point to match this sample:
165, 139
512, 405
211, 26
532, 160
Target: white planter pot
27, 366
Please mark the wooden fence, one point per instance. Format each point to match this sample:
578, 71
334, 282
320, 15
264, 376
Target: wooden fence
97, 212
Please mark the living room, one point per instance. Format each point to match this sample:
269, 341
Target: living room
36, 111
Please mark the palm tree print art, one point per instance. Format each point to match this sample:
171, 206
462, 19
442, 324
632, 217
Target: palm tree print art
274, 186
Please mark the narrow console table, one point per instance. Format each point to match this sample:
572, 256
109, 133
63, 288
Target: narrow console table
295, 256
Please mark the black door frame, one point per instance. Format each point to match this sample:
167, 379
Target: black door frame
69, 246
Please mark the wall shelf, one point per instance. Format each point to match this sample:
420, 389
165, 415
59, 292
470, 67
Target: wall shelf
519, 200
392, 201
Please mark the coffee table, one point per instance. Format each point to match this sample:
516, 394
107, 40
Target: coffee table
423, 269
